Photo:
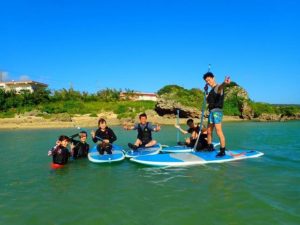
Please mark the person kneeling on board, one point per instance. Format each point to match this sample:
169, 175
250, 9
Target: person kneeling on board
79, 148
60, 153
144, 137
194, 131
104, 137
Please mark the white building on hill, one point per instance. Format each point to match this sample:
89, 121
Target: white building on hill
22, 85
138, 96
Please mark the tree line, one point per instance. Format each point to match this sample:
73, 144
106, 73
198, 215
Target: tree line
73, 101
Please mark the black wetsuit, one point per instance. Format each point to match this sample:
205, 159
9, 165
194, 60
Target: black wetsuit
60, 155
144, 133
215, 100
191, 131
106, 134
202, 143
80, 149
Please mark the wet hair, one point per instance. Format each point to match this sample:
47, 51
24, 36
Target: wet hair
208, 74
63, 137
101, 120
142, 115
83, 132
189, 121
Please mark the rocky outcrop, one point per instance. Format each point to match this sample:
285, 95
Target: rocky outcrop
277, 117
168, 108
241, 96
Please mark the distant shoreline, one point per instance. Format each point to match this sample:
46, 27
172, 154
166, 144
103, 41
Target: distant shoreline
33, 122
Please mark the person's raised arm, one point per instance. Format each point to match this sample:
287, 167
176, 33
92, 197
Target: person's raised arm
180, 129
222, 86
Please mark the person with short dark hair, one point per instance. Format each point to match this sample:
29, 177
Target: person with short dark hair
144, 137
79, 148
60, 153
104, 137
215, 101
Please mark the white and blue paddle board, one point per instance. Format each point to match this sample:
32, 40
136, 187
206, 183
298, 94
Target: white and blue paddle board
117, 155
155, 149
181, 148
194, 158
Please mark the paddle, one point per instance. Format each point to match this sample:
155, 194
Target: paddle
101, 139
177, 122
202, 115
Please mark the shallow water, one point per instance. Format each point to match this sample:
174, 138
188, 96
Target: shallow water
255, 191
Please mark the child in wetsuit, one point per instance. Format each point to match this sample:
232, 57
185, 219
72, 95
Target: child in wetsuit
202, 142
194, 131
104, 137
79, 148
60, 153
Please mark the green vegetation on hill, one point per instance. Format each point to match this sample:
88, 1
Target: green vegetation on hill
70, 101
286, 110
192, 97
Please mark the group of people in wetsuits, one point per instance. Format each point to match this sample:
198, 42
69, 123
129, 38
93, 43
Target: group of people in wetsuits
105, 136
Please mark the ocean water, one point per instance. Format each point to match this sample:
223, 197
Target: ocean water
263, 190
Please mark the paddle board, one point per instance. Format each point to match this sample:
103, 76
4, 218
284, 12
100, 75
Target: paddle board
144, 151
117, 155
194, 158
181, 148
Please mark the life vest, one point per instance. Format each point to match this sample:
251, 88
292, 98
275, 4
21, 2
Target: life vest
214, 99
145, 135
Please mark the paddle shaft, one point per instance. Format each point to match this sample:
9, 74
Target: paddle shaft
177, 121
201, 121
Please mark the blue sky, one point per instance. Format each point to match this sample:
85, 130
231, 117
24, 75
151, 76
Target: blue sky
144, 45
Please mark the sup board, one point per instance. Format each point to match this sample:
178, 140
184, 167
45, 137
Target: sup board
194, 158
117, 155
144, 151
181, 148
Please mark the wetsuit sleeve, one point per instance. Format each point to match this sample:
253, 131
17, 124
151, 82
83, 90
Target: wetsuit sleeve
190, 130
218, 90
75, 142
112, 136
54, 150
97, 133
151, 127
136, 126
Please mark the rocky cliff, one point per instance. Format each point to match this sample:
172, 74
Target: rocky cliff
168, 103
237, 103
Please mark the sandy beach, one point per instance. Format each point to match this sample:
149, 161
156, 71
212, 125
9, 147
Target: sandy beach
34, 122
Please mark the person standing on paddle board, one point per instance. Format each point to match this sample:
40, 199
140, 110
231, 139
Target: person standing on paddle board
104, 137
144, 137
215, 101
60, 153
79, 148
